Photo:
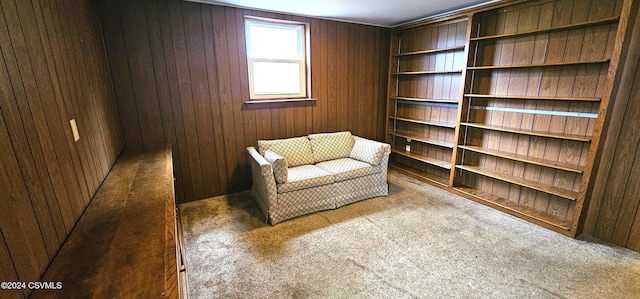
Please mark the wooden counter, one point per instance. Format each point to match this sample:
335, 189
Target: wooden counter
124, 245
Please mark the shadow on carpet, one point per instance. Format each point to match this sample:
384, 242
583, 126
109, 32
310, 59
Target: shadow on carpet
419, 242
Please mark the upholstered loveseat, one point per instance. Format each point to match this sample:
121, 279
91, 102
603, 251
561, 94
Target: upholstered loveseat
302, 175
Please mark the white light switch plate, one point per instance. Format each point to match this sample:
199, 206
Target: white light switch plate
74, 129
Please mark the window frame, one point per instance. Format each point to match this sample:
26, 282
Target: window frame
304, 63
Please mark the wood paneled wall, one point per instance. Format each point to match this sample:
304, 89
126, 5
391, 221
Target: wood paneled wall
614, 212
180, 76
52, 69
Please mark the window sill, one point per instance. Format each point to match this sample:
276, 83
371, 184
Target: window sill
257, 103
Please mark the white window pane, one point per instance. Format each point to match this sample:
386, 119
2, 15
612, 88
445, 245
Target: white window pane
274, 42
276, 78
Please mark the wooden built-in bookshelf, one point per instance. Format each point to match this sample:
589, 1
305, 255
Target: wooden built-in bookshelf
425, 82
505, 104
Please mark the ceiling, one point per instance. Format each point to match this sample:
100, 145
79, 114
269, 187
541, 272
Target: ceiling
386, 13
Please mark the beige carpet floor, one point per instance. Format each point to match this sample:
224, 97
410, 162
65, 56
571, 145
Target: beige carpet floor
419, 242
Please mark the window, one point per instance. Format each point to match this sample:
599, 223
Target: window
277, 58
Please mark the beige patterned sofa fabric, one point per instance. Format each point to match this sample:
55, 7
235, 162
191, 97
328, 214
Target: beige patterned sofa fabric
264, 183
368, 151
347, 168
305, 176
355, 169
279, 165
297, 151
331, 146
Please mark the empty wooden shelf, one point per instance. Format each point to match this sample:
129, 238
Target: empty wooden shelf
526, 212
605, 21
523, 158
429, 123
528, 132
423, 140
532, 65
423, 158
549, 98
422, 52
453, 101
421, 175
426, 72
564, 193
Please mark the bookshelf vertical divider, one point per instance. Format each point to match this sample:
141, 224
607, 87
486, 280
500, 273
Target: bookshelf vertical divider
461, 104
504, 104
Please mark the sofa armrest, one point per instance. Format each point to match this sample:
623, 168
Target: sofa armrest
369, 151
264, 183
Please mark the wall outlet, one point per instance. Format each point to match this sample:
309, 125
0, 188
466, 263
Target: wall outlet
74, 129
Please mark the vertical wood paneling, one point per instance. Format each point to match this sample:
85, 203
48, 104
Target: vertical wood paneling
28, 97
332, 86
178, 37
383, 57
8, 271
67, 73
92, 112
51, 114
200, 91
240, 117
95, 114
173, 109
152, 14
342, 41
49, 36
74, 173
214, 98
198, 50
18, 222
50, 219
53, 68
226, 122
120, 75
614, 212
145, 90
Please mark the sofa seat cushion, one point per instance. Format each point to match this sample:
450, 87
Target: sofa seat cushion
297, 151
330, 146
347, 168
305, 176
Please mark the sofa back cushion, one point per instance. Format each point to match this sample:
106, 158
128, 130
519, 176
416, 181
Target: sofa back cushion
331, 146
297, 151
